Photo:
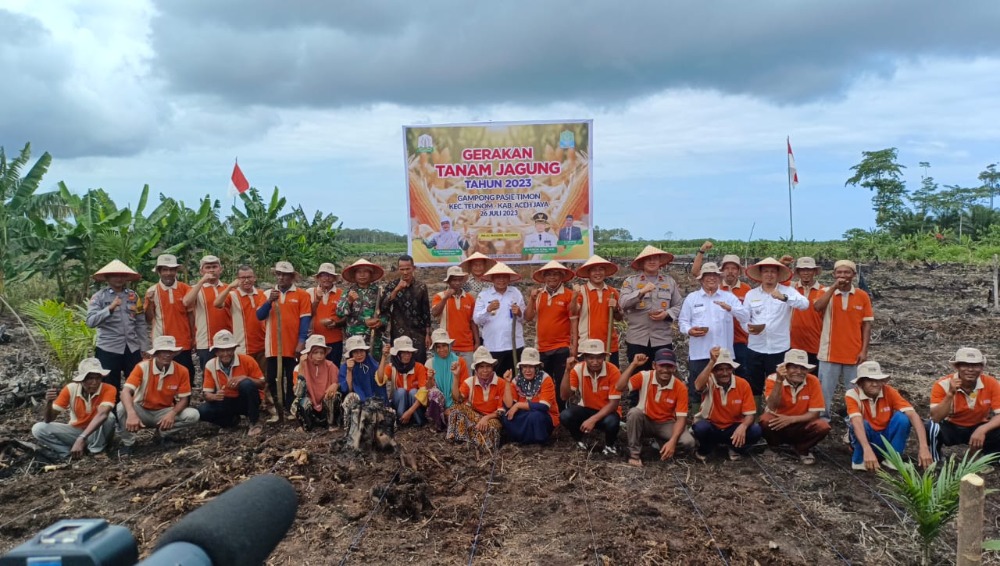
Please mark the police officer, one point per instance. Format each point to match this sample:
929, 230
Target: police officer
651, 302
122, 334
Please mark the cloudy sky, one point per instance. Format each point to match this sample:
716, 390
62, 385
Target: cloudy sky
691, 102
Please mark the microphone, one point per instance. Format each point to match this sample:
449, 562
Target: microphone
238, 528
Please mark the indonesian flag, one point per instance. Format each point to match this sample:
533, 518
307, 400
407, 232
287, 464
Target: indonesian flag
793, 173
241, 184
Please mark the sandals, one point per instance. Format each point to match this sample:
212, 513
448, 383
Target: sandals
807, 459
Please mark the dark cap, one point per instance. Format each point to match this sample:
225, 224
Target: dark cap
665, 356
540, 217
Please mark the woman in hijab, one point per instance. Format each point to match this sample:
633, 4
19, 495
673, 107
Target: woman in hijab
448, 368
530, 398
315, 380
476, 419
407, 379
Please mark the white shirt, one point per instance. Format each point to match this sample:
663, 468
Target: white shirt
445, 240
699, 309
540, 240
495, 328
776, 315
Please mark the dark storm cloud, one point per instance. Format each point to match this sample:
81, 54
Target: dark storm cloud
329, 54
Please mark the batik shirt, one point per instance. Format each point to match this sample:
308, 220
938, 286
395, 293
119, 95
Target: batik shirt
409, 313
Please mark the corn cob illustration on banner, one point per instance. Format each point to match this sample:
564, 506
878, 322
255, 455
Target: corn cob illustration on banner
519, 192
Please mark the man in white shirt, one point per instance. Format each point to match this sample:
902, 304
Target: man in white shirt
499, 313
707, 318
542, 238
446, 239
769, 327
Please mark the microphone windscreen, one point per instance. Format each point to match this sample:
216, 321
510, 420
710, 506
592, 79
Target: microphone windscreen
243, 525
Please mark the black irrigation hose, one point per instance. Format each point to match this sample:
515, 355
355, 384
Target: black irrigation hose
802, 512
593, 536
697, 510
900, 515
361, 531
482, 510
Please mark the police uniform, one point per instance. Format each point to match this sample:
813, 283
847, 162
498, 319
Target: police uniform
645, 335
122, 335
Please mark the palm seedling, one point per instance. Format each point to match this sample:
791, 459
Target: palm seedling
65, 331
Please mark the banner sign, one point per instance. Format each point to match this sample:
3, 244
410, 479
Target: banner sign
518, 192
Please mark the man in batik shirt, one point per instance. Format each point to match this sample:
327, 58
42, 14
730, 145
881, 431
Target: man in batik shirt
406, 302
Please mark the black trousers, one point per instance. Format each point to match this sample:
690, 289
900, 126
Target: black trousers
287, 367
505, 361
574, 415
761, 366
226, 413
184, 358
946, 433
554, 364
120, 365
336, 354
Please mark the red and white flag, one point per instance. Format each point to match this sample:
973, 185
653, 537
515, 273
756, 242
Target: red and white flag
793, 173
240, 182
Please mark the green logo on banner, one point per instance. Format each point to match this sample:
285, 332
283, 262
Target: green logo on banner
425, 144
567, 139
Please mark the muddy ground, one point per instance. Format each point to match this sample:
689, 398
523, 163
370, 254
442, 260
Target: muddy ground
546, 505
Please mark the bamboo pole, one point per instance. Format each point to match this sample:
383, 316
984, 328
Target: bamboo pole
996, 282
971, 498
281, 368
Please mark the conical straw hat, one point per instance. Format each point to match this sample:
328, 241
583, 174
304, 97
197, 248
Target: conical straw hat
116, 267
567, 273
348, 273
584, 270
501, 269
648, 252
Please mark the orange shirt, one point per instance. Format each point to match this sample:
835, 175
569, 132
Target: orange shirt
553, 324
207, 319
840, 341
216, 379
83, 409
807, 324
878, 411
740, 290
416, 378
487, 400
170, 316
596, 391
546, 395
295, 304
249, 331
728, 407
155, 391
969, 409
456, 318
594, 313
326, 308
660, 404
808, 396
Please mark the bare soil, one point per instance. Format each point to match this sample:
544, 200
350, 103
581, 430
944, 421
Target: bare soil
547, 505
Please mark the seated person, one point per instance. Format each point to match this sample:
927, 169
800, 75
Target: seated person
233, 385
315, 385
476, 419
793, 400
452, 369
88, 401
727, 408
156, 394
530, 398
595, 379
406, 378
876, 412
661, 412
965, 407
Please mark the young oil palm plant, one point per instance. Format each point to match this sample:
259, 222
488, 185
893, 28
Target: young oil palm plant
65, 331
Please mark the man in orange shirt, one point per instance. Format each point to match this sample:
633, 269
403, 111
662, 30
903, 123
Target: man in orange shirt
325, 296
595, 379
662, 408
232, 385
877, 413
596, 305
242, 307
965, 407
166, 313
794, 401
287, 316
200, 300
807, 325
727, 408
847, 328
156, 395
454, 307
89, 403
553, 303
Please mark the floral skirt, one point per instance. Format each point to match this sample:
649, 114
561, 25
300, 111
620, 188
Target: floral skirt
435, 410
462, 428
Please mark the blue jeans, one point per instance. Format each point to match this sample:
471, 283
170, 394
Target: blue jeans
708, 436
402, 400
897, 433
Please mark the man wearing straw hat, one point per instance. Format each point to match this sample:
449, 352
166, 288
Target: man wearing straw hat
233, 383
287, 316
651, 302
446, 239
359, 304
728, 410
166, 312
965, 406
846, 332
553, 304
807, 325
794, 401
325, 297
769, 327
454, 308
156, 395
88, 402
599, 407
122, 334
476, 265
408, 305
200, 301
596, 305
499, 313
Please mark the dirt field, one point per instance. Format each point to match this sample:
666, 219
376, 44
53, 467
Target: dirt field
545, 505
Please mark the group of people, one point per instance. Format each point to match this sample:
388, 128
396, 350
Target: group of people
764, 361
